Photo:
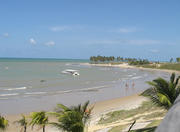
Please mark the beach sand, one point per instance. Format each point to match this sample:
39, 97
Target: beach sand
100, 108
104, 107
126, 65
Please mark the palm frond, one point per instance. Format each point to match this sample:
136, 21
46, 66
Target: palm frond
84, 107
177, 80
72, 119
61, 108
172, 78
55, 114
39, 118
162, 92
3, 123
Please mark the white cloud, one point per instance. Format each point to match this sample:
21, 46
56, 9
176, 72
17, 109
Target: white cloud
66, 28
32, 41
50, 43
125, 30
124, 41
60, 28
6, 35
143, 42
154, 50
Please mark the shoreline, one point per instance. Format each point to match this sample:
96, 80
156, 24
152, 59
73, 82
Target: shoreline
123, 103
127, 66
100, 108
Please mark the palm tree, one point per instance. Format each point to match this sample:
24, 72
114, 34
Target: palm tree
23, 123
39, 118
3, 123
72, 119
163, 92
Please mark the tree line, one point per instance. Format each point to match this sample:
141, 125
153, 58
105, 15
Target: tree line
178, 59
102, 58
131, 61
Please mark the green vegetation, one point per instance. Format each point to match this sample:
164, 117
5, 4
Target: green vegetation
154, 115
3, 123
118, 128
150, 129
147, 106
162, 92
40, 119
69, 119
178, 59
137, 62
171, 60
118, 60
72, 119
23, 123
101, 58
168, 66
154, 123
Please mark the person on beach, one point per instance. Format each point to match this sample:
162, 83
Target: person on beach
127, 87
133, 86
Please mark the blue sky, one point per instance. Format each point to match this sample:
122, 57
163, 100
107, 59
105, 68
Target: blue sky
82, 28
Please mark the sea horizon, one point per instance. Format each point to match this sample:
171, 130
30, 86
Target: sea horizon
40, 59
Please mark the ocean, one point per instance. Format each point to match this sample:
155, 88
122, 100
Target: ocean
34, 84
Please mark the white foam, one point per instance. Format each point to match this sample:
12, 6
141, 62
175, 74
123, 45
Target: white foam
129, 75
137, 77
13, 94
67, 64
20, 88
67, 91
92, 88
34, 93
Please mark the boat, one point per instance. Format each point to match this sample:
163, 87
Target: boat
72, 72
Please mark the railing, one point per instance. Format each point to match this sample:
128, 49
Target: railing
171, 122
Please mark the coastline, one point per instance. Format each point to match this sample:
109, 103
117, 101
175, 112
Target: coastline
100, 108
125, 65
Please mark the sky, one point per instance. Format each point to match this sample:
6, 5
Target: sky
78, 29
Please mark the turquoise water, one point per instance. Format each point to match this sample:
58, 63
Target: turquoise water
41, 60
24, 80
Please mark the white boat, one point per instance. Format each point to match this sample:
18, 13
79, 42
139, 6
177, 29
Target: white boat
70, 71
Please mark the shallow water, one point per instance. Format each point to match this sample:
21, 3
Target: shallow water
32, 85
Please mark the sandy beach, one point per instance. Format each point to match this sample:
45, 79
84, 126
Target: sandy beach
126, 65
100, 108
